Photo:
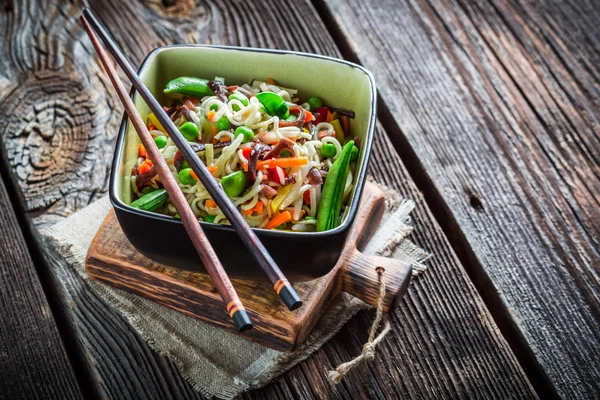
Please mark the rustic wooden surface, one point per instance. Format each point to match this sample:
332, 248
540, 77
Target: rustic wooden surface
58, 120
111, 259
498, 101
33, 359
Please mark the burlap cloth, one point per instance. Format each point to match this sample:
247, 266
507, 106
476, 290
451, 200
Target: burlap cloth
218, 363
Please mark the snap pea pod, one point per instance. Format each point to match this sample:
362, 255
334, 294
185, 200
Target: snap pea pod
333, 191
151, 201
274, 104
186, 85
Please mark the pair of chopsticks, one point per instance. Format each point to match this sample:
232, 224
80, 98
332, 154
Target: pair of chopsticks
206, 252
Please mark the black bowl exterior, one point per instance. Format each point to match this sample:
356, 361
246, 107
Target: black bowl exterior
300, 256
301, 259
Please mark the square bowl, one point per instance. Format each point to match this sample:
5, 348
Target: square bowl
300, 255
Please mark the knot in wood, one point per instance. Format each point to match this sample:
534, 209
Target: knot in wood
48, 123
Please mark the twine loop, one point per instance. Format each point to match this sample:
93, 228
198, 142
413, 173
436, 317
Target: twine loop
368, 350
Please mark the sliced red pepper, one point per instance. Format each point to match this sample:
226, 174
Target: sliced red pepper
320, 115
306, 197
274, 175
246, 152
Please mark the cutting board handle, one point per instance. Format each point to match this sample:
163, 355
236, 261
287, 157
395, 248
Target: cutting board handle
358, 275
361, 280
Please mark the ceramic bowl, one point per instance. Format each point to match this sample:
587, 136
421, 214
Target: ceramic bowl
300, 255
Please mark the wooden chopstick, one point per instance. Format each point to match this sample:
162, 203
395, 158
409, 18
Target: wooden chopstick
281, 285
234, 306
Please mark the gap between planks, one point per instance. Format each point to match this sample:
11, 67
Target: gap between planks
481, 280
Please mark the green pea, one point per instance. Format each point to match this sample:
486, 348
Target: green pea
185, 177
354, 154
210, 218
234, 184
291, 117
314, 103
240, 97
223, 124
285, 153
189, 130
161, 141
184, 165
214, 107
147, 189
247, 132
328, 150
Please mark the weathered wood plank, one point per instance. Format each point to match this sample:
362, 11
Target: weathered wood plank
444, 342
32, 357
498, 100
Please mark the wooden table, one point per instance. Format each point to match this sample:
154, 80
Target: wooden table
489, 119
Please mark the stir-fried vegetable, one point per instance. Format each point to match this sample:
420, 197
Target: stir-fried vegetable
151, 201
189, 130
314, 103
333, 191
186, 176
234, 184
274, 104
161, 141
285, 163
186, 85
279, 220
246, 132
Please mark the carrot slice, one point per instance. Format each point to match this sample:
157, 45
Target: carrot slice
210, 115
270, 81
143, 168
193, 175
329, 116
308, 116
279, 219
258, 208
212, 169
282, 162
142, 150
210, 203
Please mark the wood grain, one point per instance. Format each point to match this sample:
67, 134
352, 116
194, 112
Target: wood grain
33, 359
445, 343
498, 102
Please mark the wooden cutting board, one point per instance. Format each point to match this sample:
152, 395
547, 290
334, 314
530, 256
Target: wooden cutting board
111, 259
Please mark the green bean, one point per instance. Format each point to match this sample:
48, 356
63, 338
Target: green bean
333, 190
151, 201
